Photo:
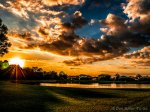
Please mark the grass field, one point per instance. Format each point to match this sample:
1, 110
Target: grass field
34, 98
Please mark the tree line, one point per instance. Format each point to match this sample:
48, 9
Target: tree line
15, 72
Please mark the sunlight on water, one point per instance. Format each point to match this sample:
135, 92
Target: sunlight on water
96, 85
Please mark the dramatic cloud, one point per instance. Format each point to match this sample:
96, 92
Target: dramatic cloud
113, 25
118, 40
85, 60
139, 13
21, 40
137, 8
27, 8
141, 54
60, 2
119, 37
22, 7
53, 35
63, 38
49, 28
117, 27
142, 62
140, 57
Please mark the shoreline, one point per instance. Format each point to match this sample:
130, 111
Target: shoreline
75, 82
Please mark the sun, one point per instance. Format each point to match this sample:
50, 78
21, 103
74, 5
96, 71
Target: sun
16, 61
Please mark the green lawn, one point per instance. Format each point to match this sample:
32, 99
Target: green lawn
33, 98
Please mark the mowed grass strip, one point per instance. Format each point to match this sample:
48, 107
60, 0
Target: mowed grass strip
34, 98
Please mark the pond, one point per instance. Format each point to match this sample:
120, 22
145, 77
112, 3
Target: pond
96, 85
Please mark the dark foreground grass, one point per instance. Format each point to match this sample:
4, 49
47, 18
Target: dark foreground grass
33, 98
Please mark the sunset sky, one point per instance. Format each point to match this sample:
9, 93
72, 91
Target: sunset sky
80, 36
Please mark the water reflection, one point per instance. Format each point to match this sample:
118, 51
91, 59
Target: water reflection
96, 85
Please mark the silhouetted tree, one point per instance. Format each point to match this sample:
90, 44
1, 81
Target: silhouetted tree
117, 77
62, 75
138, 76
4, 65
4, 43
52, 75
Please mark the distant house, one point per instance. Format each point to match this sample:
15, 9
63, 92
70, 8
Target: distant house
144, 78
85, 77
39, 73
73, 77
126, 78
104, 77
94, 78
